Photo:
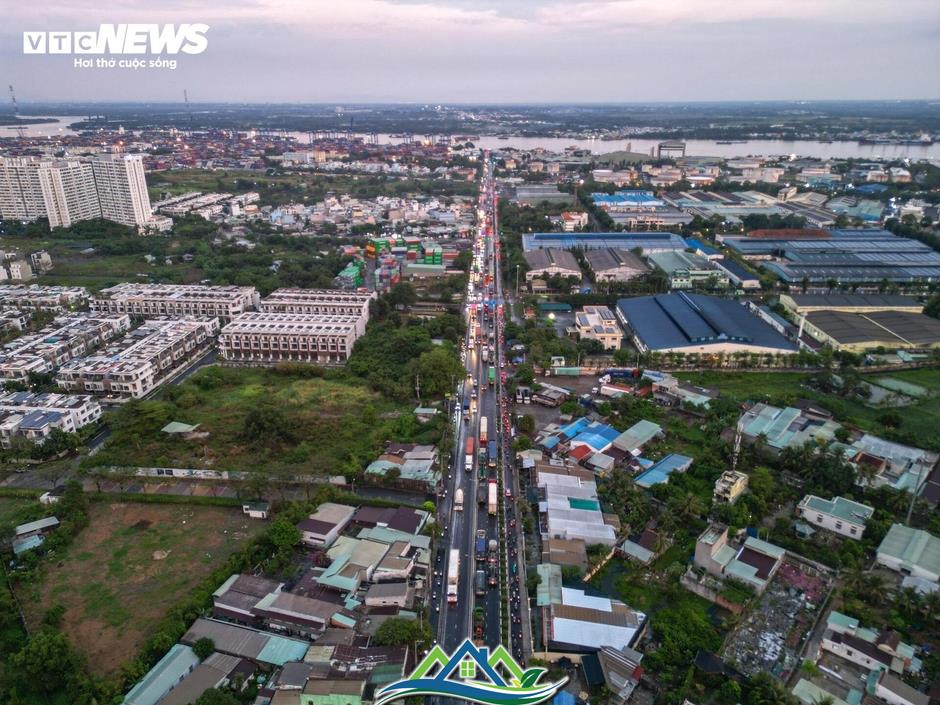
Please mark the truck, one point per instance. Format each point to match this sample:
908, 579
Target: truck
468, 460
492, 375
483, 431
485, 354
491, 454
480, 546
492, 553
492, 497
479, 582
453, 576
458, 500
492, 574
478, 625
481, 495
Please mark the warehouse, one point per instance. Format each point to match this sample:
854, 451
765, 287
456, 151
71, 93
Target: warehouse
850, 303
845, 256
613, 265
857, 332
551, 262
646, 241
694, 323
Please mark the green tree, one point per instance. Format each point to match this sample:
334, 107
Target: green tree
204, 648
283, 534
217, 697
400, 632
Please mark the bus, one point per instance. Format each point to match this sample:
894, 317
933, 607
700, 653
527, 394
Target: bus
492, 375
491, 454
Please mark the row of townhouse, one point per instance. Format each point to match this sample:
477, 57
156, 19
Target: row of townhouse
35, 416
66, 338
142, 359
153, 300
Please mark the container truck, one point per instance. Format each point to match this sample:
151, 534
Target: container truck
491, 454
468, 461
483, 431
480, 546
453, 575
492, 497
458, 500
481, 495
492, 375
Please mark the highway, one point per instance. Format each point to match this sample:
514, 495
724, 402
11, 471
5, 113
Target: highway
455, 621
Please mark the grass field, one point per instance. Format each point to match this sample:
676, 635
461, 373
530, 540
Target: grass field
256, 419
919, 420
15, 511
128, 568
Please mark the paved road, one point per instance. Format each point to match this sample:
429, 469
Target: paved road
454, 621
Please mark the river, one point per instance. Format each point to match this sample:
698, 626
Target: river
695, 148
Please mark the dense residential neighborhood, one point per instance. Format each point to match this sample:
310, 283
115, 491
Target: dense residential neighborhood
286, 413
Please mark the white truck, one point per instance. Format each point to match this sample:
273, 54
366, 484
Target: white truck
492, 498
458, 500
453, 575
485, 354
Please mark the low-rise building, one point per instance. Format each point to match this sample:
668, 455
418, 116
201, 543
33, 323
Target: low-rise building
686, 270
152, 300
584, 623
731, 485
568, 505
397, 594
754, 562
600, 324
839, 515
913, 552
142, 360
872, 649
269, 338
324, 526
894, 691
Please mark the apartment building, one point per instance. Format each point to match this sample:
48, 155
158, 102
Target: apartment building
34, 416
66, 338
42, 298
838, 515
327, 302
110, 186
267, 338
177, 300
141, 360
69, 192
599, 323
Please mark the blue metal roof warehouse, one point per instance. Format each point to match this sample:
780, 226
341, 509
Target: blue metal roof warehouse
847, 255
647, 241
694, 323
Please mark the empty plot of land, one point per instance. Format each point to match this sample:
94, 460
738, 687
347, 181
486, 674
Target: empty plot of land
125, 571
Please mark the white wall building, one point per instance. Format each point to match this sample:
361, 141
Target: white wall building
838, 515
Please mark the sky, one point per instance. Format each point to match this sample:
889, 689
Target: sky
466, 51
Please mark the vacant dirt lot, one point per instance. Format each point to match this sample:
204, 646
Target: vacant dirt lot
129, 567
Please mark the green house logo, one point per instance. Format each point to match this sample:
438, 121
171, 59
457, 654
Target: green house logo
475, 675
